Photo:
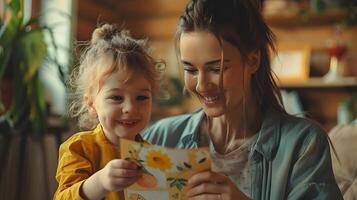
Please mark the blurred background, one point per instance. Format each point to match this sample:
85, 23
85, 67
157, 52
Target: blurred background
316, 65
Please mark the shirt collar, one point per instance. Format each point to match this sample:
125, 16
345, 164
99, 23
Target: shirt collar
190, 137
99, 131
267, 141
268, 137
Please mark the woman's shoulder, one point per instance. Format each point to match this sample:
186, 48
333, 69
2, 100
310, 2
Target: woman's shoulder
173, 127
302, 131
295, 124
176, 121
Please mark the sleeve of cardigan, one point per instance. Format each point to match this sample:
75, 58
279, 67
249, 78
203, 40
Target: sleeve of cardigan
73, 169
312, 176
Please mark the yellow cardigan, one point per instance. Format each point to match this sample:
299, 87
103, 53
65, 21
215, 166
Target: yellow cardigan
80, 156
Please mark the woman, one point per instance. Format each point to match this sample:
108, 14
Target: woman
259, 151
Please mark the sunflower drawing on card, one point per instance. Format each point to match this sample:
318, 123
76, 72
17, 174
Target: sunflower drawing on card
166, 170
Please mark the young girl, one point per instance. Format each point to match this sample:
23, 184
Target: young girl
114, 87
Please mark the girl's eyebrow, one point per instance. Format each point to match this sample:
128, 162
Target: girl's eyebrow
146, 90
212, 62
118, 89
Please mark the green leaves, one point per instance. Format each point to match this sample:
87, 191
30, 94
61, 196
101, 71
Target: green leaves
320, 7
8, 34
22, 52
17, 8
33, 49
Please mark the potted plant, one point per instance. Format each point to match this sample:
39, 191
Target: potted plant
23, 50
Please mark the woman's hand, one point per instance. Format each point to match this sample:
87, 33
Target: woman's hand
209, 185
118, 174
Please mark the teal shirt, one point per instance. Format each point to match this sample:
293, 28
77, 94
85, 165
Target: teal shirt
290, 157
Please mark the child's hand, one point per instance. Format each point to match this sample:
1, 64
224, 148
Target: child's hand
119, 174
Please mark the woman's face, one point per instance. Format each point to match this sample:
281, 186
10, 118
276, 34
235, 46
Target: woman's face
201, 60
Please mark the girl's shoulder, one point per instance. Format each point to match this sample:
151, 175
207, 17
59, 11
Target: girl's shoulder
80, 140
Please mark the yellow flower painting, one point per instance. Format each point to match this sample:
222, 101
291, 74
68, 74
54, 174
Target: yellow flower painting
165, 170
159, 160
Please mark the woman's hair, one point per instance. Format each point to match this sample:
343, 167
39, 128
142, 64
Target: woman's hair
110, 50
240, 23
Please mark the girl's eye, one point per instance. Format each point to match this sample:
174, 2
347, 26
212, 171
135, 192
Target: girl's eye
116, 98
142, 98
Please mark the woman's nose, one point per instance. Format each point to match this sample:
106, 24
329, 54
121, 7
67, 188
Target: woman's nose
202, 83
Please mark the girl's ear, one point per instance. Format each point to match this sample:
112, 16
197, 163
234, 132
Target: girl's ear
253, 61
90, 104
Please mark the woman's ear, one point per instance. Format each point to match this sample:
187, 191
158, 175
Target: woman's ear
90, 104
253, 61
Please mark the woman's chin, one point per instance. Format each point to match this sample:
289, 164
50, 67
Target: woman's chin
213, 112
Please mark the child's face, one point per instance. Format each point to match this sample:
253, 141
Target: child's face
123, 107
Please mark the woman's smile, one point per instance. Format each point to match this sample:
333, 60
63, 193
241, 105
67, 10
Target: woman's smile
210, 101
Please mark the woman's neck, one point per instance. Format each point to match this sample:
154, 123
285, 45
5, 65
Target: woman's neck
237, 124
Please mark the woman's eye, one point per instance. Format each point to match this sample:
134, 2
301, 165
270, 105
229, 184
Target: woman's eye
216, 70
142, 97
190, 71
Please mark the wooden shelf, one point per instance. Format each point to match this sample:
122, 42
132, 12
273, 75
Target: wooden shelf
346, 82
289, 19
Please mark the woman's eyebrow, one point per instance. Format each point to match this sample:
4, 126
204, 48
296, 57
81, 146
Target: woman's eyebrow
212, 62
186, 63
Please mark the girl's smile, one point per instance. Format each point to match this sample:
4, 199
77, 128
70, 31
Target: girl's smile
123, 105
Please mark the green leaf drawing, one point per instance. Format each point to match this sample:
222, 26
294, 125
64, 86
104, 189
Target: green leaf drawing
170, 179
187, 165
179, 183
179, 168
202, 160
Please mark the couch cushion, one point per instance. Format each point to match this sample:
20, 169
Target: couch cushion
344, 140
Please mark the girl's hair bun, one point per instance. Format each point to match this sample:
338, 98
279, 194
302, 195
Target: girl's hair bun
104, 32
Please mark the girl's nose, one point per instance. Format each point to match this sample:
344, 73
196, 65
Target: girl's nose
128, 107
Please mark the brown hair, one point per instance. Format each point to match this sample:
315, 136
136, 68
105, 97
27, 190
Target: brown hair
109, 50
240, 23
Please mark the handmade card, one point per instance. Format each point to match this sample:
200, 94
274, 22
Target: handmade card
166, 170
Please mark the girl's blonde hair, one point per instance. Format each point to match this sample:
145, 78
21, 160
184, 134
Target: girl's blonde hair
109, 50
